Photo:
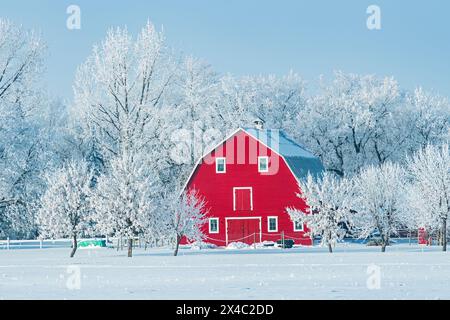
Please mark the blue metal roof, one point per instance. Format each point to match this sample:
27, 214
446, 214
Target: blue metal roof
299, 159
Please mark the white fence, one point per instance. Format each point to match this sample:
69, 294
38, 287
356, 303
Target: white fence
37, 244
118, 243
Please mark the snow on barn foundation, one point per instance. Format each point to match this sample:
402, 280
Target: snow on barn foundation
248, 181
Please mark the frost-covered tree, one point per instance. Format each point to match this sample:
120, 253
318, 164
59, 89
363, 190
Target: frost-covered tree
133, 97
430, 193
361, 120
127, 95
428, 118
64, 208
20, 62
275, 100
198, 84
188, 122
188, 212
21, 156
120, 88
328, 212
345, 123
123, 199
378, 201
420, 214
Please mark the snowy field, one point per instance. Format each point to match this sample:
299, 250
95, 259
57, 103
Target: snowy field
406, 272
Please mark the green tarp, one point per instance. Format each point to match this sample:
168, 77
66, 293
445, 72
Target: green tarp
92, 243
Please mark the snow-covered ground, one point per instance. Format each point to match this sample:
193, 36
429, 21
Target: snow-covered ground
406, 272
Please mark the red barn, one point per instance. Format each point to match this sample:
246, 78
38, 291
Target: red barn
247, 181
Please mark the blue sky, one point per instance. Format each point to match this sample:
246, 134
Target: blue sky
258, 37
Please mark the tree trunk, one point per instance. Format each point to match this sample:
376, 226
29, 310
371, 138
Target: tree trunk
330, 248
75, 245
444, 235
177, 246
384, 243
130, 247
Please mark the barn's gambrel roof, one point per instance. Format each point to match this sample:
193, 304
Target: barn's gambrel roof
299, 159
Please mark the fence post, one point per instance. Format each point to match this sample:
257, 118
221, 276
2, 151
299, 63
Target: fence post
40, 243
7, 243
254, 240
282, 239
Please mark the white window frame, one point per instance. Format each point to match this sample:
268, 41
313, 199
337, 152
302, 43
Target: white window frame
224, 165
267, 161
243, 188
268, 223
209, 225
297, 229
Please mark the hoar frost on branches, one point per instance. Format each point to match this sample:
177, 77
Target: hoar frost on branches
188, 217
347, 123
377, 200
429, 194
64, 208
189, 122
328, 213
123, 200
427, 119
120, 89
275, 100
361, 120
21, 55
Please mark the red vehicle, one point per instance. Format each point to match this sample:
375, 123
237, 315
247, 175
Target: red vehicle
248, 181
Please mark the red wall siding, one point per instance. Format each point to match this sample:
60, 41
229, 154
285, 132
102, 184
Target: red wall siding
272, 192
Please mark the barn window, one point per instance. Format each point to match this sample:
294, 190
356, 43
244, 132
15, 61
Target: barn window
298, 226
272, 224
221, 166
263, 164
214, 225
243, 199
